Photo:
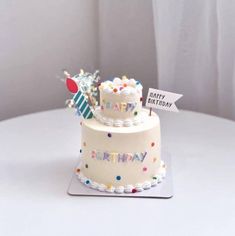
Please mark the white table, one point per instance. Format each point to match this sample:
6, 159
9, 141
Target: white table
38, 153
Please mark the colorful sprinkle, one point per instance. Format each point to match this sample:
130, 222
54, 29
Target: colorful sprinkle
154, 177
137, 82
154, 159
152, 144
135, 113
84, 144
109, 135
102, 107
134, 190
124, 85
80, 150
80, 122
121, 88
87, 181
78, 170
141, 99
145, 169
109, 186
115, 90
86, 165
118, 177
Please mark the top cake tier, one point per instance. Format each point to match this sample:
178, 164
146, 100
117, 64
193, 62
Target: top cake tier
120, 102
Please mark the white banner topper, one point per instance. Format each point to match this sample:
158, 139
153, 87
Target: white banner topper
162, 100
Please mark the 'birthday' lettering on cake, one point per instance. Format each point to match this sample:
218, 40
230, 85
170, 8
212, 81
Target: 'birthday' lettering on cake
118, 157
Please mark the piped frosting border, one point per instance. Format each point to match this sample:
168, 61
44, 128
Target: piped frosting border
119, 122
139, 187
121, 86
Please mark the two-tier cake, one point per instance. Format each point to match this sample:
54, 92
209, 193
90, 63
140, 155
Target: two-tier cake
121, 142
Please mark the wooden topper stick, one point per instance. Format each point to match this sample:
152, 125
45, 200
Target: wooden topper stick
150, 111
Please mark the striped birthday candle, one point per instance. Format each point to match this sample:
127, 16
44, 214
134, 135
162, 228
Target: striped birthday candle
82, 105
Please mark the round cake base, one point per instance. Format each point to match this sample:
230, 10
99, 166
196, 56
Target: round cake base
129, 188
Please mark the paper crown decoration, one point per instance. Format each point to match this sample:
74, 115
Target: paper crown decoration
84, 88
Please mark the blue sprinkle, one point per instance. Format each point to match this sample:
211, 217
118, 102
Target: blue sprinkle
118, 177
87, 181
137, 82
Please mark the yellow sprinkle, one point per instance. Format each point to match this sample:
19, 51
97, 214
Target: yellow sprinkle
109, 186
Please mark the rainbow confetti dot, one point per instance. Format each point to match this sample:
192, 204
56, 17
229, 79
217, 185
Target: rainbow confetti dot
145, 169
118, 177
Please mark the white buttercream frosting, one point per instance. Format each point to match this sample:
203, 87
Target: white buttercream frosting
120, 99
129, 188
119, 122
121, 86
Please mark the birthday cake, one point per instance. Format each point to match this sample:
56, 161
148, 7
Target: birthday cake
121, 141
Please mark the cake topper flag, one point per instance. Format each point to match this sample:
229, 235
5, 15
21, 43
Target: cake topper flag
82, 105
162, 100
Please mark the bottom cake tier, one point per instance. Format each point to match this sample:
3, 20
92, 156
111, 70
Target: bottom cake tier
121, 159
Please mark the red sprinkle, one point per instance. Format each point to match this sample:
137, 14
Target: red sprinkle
152, 144
115, 90
141, 99
145, 169
134, 190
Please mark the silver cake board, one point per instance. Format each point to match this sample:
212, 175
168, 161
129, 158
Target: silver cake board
163, 190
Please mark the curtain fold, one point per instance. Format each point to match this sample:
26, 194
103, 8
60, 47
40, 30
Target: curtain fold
195, 47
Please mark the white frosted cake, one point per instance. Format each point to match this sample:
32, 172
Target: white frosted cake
121, 143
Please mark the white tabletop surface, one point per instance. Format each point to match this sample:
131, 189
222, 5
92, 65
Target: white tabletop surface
38, 153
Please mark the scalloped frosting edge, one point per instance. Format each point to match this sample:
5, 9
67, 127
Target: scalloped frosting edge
119, 122
119, 86
129, 188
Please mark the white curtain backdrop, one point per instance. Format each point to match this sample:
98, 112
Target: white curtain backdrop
195, 47
183, 46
